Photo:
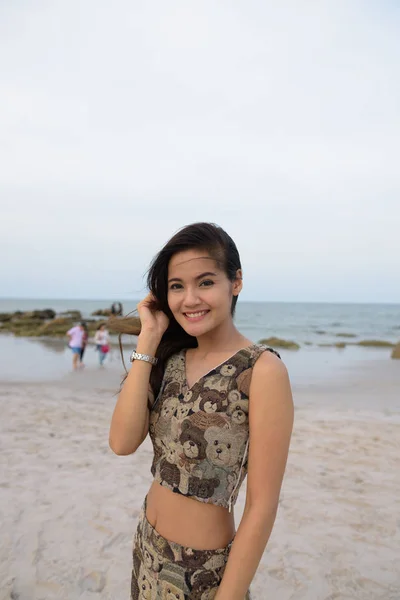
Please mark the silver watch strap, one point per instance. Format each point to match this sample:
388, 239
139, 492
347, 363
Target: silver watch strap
137, 356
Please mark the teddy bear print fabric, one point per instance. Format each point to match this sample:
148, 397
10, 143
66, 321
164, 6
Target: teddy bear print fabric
165, 570
200, 434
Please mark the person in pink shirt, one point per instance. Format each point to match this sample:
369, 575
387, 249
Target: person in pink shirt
76, 335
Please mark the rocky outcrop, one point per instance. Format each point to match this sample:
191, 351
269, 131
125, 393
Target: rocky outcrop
4, 317
56, 327
76, 315
38, 323
396, 351
279, 343
42, 315
346, 335
116, 310
374, 344
128, 325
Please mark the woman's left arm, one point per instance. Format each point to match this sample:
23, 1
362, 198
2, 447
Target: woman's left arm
271, 414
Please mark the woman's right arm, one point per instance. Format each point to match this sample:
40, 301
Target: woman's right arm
130, 420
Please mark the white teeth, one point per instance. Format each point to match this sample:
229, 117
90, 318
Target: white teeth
195, 315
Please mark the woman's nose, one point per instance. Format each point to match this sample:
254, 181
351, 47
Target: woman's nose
191, 297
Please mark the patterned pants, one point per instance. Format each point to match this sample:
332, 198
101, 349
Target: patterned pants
164, 570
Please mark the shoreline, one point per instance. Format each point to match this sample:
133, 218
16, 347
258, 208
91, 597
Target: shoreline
330, 373
342, 341
33, 357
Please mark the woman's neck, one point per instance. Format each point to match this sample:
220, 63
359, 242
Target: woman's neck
220, 339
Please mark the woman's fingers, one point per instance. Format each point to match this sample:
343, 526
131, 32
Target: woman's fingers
147, 300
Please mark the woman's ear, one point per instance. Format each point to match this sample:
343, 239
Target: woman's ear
237, 284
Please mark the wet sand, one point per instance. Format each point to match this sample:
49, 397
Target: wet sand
68, 505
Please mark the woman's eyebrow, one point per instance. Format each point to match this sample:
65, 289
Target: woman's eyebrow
206, 274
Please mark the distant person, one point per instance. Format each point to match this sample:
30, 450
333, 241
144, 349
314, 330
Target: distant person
116, 309
102, 341
85, 339
76, 335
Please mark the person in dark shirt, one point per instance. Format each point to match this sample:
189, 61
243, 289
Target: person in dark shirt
85, 339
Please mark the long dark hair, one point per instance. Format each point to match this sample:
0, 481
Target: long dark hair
200, 236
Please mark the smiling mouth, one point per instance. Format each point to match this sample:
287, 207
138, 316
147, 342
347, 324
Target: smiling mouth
196, 316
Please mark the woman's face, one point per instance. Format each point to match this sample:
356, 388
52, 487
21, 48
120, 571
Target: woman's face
199, 291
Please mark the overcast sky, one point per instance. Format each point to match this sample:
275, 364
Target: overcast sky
121, 122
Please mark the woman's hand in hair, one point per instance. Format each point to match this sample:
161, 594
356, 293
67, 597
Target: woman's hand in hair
153, 321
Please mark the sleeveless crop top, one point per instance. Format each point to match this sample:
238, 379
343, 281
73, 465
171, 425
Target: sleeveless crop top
200, 434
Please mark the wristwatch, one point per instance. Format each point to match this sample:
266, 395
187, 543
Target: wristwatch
146, 357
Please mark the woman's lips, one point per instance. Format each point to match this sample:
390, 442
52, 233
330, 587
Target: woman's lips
194, 317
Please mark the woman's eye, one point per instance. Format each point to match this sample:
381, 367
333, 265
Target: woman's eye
207, 282
175, 286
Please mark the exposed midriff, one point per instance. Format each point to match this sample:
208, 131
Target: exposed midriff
188, 522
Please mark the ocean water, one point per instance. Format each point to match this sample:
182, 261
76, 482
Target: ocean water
306, 323
301, 322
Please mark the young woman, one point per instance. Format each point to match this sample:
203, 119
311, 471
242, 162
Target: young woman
217, 407
102, 341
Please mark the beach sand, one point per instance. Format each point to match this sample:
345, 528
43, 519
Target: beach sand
69, 506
